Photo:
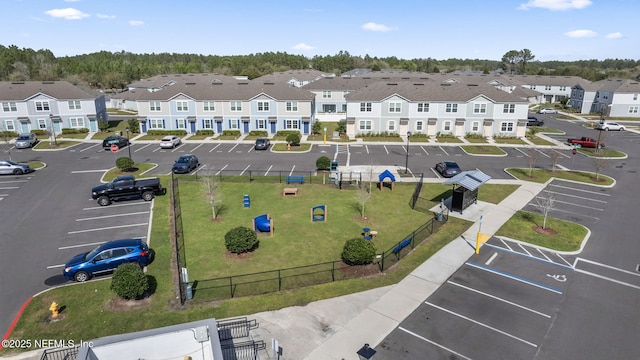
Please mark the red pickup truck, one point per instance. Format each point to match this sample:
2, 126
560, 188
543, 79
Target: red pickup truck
585, 142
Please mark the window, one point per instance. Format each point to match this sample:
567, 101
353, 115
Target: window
365, 106
547, 87
263, 106
292, 106
329, 108
423, 107
236, 106
391, 125
475, 126
156, 124
182, 106
447, 126
533, 87
451, 108
74, 105
635, 97
76, 122
181, 124
234, 124
394, 107
419, 125
154, 106
633, 109
42, 124
506, 126
563, 88
509, 108
42, 106
479, 108
209, 106
261, 124
9, 125
365, 125
326, 94
291, 124
11, 106
207, 124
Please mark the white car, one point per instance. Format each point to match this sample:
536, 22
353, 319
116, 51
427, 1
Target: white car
606, 126
169, 142
547, 111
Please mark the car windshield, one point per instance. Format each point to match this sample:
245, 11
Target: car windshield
183, 159
261, 141
166, 139
92, 253
451, 165
113, 141
23, 137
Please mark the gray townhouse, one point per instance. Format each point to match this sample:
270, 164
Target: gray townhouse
552, 88
49, 106
431, 107
297, 78
218, 104
609, 97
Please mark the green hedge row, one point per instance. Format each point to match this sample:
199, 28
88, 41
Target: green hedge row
167, 132
204, 132
75, 130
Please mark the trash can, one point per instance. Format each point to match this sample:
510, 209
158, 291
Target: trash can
189, 292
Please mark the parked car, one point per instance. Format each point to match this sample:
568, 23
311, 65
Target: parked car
106, 258
170, 142
127, 187
448, 168
114, 140
262, 144
609, 125
185, 164
586, 142
547, 111
534, 121
26, 141
14, 168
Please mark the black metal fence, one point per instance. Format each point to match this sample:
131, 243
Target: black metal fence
416, 192
246, 350
177, 237
60, 354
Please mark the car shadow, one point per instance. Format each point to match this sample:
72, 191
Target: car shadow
56, 280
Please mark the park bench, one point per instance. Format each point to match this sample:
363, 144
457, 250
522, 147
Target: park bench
295, 179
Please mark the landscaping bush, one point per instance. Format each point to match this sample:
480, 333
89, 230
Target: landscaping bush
124, 163
75, 131
129, 281
241, 239
261, 133
204, 132
358, 251
7, 134
235, 133
103, 125
323, 163
294, 139
39, 132
317, 128
167, 132
133, 125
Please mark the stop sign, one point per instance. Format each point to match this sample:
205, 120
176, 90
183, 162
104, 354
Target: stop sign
114, 148
574, 151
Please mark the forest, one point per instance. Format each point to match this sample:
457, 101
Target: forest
115, 70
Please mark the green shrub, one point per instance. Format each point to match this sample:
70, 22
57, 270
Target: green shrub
261, 133
124, 163
294, 139
75, 130
133, 125
241, 239
6, 134
103, 125
470, 135
235, 133
40, 132
342, 127
323, 163
204, 132
317, 128
129, 281
358, 251
167, 132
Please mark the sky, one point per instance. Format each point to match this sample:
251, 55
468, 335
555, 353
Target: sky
563, 30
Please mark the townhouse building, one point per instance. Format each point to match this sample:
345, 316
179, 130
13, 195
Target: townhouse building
49, 106
432, 107
608, 97
218, 104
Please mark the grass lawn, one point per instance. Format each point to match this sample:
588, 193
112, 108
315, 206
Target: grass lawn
418, 139
198, 137
79, 136
477, 140
36, 164
516, 141
483, 150
605, 152
539, 141
543, 175
545, 130
451, 140
283, 147
137, 171
559, 235
59, 144
382, 138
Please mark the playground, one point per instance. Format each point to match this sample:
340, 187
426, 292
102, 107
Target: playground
294, 239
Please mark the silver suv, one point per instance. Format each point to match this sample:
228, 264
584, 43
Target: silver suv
26, 141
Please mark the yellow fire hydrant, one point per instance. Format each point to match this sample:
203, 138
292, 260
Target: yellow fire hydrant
288, 146
54, 309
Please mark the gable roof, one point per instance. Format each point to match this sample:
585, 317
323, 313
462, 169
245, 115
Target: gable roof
23, 90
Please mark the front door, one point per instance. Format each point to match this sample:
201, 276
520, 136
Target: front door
193, 127
273, 127
219, 127
245, 127
305, 127
25, 127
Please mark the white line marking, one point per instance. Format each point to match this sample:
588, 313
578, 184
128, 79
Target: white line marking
13, 181
224, 167
106, 228
543, 254
90, 147
446, 153
55, 266
245, 169
110, 216
425, 150
525, 154
561, 154
367, 148
574, 189
385, 149
481, 324
9, 187
576, 205
608, 266
577, 197
214, 148
609, 279
269, 169
116, 205
574, 213
500, 299
88, 171
434, 343
495, 254
81, 245
563, 259
233, 147
196, 147
143, 146
291, 172
516, 279
506, 245
543, 154
525, 250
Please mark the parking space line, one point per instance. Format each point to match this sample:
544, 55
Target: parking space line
106, 228
423, 149
525, 154
560, 153
524, 249
385, 149
563, 259
81, 245
224, 167
9, 187
192, 150
245, 169
89, 171
55, 266
366, 147
516, 278
434, 343
505, 244
531, 257
116, 205
574, 213
481, 324
142, 147
577, 205
215, 147
574, 189
578, 197
90, 147
446, 153
291, 172
543, 254
233, 147
110, 216
499, 299
13, 181
269, 169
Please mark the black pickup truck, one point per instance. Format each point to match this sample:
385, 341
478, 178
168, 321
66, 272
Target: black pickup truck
127, 187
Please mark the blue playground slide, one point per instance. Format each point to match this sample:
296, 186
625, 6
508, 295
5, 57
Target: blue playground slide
262, 223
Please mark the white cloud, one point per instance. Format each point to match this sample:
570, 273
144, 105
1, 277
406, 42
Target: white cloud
556, 4
371, 26
136, 22
303, 47
581, 33
615, 35
104, 16
67, 14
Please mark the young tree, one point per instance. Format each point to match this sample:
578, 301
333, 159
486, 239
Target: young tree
532, 159
363, 194
212, 190
555, 157
600, 164
544, 202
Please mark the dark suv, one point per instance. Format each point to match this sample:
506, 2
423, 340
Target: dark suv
262, 144
120, 141
185, 164
534, 121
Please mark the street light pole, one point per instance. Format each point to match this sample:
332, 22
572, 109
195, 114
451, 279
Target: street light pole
128, 143
600, 131
406, 162
325, 135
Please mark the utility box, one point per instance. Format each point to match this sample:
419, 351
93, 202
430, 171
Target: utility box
463, 198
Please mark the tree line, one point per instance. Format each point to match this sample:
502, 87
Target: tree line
115, 70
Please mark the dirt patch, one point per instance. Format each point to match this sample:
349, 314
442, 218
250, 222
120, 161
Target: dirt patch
357, 271
541, 230
362, 219
119, 304
217, 219
241, 256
